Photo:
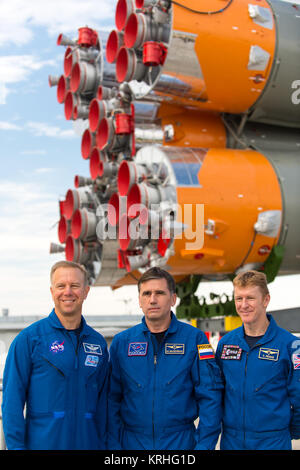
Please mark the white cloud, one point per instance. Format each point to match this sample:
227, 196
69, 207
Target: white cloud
44, 129
27, 213
17, 68
18, 17
38, 129
4, 91
27, 218
8, 126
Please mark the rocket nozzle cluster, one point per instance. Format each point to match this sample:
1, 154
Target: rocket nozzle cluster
139, 42
161, 77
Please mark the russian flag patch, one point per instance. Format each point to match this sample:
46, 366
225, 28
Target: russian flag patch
205, 351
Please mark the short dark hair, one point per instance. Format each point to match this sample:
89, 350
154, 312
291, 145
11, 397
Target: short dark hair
158, 273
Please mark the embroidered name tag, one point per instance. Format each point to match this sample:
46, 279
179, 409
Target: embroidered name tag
137, 349
231, 351
205, 351
92, 349
172, 348
269, 354
91, 360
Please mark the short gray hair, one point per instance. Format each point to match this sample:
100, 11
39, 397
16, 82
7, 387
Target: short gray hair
69, 264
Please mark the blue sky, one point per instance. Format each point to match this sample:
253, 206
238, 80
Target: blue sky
40, 155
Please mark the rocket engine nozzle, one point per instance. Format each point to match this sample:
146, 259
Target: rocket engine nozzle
88, 141
64, 226
83, 224
124, 9
114, 42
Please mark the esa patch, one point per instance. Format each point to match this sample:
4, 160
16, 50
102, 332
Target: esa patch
174, 348
137, 349
92, 349
269, 354
205, 351
91, 360
231, 351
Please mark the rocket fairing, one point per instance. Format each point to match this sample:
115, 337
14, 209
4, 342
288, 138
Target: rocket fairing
191, 133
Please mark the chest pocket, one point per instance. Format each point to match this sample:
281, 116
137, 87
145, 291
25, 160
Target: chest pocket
131, 384
269, 373
47, 388
176, 372
271, 382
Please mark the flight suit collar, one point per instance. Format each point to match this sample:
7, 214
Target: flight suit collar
172, 327
55, 322
268, 336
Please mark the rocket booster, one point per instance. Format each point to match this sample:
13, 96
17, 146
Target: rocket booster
233, 57
191, 135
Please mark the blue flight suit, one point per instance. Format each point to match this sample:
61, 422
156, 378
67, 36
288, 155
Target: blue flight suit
262, 390
157, 391
64, 385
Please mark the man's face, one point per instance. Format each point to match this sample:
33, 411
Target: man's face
156, 300
68, 291
250, 303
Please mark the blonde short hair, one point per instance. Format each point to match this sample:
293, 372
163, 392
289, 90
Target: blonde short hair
69, 264
252, 278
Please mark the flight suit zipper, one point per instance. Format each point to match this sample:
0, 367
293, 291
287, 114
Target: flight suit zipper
244, 400
154, 343
156, 349
75, 387
244, 391
76, 348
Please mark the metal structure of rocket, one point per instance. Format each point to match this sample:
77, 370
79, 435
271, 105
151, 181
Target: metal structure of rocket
191, 121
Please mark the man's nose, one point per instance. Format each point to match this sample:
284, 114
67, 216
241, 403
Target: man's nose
68, 290
153, 298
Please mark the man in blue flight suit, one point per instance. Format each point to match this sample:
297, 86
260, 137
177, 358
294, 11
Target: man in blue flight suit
260, 363
163, 377
58, 367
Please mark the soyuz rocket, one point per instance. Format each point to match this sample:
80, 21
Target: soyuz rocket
190, 117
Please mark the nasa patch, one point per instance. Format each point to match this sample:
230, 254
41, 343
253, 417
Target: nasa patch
57, 347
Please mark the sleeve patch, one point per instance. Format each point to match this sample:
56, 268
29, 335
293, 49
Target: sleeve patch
296, 361
205, 351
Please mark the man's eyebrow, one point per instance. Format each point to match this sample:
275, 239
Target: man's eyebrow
157, 291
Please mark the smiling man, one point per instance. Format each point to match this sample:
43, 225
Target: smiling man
163, 377
58, 367
69, 290
260, 365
